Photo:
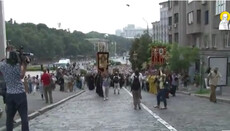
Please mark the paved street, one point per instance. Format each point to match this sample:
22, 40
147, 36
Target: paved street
90, 112
35, 102
191, 113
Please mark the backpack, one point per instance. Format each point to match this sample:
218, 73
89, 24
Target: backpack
116, 79
136, 83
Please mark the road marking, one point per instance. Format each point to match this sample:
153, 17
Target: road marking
167, 125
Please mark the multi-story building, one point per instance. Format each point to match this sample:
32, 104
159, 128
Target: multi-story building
131, 32
160, 28
177, 22
202, 29
196, 23
156, 31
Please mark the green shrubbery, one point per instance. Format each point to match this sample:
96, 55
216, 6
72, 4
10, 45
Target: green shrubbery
37, 68
203, 91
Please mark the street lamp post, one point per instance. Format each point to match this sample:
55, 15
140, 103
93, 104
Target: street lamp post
201, 72
2, 31
147, 25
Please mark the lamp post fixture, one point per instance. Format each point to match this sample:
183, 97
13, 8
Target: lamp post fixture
201, 72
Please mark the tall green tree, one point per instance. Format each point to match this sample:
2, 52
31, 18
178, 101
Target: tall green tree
49, 43
141, 48
181, 57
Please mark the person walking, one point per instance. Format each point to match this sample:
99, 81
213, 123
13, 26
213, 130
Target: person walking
41, 87
105, 85
26, 84
213, 77
30, 84
162, 91
136, 83
152, 82
46, 81
66, 81
116, 83
175, 83
90, 82
98, 83
61, 82
34, 85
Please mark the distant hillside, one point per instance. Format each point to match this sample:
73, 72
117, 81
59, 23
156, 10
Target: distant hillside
49, 43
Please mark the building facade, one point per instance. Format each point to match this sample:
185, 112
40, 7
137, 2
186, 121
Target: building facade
177, 22
131, 32
160, 28
156, 31
196, 24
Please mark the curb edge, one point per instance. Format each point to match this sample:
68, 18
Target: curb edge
43, 110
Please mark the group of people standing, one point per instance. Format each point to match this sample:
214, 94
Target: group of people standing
103, 80
44, 83
69, 81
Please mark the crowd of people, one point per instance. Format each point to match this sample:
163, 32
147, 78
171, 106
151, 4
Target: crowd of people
160, 82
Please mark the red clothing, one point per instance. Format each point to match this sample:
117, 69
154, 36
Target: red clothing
45, 79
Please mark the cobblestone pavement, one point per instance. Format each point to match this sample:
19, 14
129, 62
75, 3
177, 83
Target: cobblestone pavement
89, 112
191, 113
35, 102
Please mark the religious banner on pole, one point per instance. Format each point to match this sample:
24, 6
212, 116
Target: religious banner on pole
102, 61
158, 55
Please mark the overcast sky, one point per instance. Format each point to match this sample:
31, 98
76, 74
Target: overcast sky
104, 16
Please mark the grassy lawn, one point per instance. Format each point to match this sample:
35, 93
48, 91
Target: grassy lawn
203, 91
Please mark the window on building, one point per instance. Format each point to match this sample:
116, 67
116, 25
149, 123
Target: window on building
206, 41
198, 15
198, 42
175, 2
170, 3
228, 70
206, 17
190, 17
226, 40
213, 40
220, 6
203, 2
176, 39
170, 20
170, 38
189, 1
176, 18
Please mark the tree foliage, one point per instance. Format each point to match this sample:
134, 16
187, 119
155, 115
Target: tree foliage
140, 46
180, 57
50, 43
